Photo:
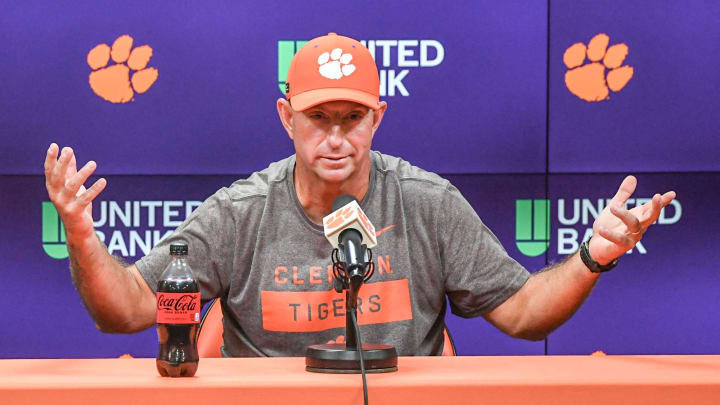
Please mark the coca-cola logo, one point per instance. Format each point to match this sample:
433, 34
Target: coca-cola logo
187, 302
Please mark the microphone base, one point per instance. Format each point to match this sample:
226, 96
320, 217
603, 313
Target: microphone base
335, 358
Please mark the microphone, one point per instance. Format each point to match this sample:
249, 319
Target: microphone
347, 214
346, 228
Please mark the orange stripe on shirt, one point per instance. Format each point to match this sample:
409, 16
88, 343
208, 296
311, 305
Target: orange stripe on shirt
313, 311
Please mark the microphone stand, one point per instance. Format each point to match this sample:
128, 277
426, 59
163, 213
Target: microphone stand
344, 358
350, 310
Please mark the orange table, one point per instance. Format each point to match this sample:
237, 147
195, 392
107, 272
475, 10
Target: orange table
420, 380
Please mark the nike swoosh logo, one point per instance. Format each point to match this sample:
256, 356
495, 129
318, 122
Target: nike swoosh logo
387, 228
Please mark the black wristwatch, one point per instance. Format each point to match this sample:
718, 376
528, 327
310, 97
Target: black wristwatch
591, 264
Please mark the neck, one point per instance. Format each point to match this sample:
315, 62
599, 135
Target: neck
316, 196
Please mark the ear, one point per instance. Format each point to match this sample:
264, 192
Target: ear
378, 115
285, 112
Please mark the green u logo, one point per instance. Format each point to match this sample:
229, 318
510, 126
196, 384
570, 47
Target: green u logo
532, 226
53, 232
286, 51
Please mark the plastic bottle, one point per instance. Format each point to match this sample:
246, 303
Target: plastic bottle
178, 317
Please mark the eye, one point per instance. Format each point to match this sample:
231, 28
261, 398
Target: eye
354, 116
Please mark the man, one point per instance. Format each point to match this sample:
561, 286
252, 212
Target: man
258, 245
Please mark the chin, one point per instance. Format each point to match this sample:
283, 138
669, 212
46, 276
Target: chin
334, 176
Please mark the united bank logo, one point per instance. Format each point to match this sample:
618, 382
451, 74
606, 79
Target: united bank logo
575, 218
53, 233
532, 226
588, 81
395, 59
113, 83
128, 228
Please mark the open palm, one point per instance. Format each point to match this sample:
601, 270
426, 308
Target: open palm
65, 189
616, 230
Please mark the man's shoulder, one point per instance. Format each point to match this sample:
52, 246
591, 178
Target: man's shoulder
259, 184
410, 176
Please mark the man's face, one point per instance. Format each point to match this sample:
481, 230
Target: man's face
332, 140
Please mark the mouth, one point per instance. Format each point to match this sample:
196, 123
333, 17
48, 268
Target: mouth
334, 162
334, 158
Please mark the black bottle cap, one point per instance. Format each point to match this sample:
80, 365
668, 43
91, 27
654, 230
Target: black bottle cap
178, 249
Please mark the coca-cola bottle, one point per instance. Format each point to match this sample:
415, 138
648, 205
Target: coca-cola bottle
178, 316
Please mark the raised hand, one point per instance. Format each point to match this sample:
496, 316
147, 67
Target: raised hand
65, 187
616, 230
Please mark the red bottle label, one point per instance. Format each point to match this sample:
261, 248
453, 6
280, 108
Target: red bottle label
178, 307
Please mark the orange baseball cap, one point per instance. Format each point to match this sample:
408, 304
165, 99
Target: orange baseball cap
331, 68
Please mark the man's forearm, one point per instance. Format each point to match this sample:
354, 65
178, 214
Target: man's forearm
108, 290
554, 295
551, 297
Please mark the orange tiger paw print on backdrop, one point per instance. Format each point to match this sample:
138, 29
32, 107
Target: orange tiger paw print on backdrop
113, 83
589, 81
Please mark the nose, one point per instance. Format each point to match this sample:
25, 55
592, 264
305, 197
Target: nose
335, 137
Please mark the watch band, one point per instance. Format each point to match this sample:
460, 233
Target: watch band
591, 264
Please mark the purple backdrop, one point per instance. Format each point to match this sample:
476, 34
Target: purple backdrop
663, 296
494, 115
218, 83
665, 119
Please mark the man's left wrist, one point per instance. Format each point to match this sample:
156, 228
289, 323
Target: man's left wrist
596, 256
590, 262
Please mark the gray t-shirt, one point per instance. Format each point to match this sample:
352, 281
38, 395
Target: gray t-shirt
252, 245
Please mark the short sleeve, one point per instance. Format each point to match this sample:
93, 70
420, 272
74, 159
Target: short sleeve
210, 235
479, 274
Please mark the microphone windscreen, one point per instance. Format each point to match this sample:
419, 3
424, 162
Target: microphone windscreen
342, 201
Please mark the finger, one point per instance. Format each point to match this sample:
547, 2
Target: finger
618, 238
75, 182
667, 197
80, 191
50, 158
625, 191
656, 207
86, 197
648, 210
71, 168
61, 167
653, 208
630, 220
50, 162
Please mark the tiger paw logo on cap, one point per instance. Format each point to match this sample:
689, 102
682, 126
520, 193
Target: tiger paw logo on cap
336, 68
